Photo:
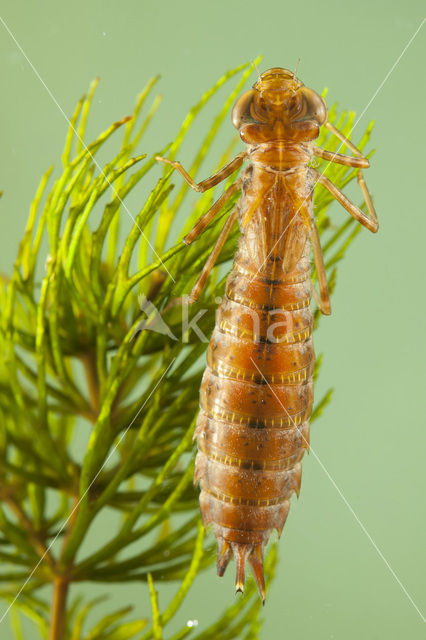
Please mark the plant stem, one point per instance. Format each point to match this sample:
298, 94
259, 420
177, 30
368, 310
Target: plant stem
89, 363
58, 609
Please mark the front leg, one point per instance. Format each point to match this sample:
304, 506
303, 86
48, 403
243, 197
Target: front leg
208, 183
205, 219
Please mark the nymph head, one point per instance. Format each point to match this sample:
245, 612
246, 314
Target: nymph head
279, 107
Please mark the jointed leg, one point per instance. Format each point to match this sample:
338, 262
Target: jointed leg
371, 223
207, 217
344, 139
323, 300
340, 158
359, 162
367, 198
198, 287
208, 183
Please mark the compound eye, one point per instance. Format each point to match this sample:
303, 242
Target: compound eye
244, 110
314, 107
241, 112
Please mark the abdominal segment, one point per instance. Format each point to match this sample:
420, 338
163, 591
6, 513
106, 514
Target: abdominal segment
256, 400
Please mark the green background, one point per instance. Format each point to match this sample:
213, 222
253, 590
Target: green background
331, 582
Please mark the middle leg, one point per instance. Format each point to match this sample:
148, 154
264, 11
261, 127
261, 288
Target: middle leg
360, 162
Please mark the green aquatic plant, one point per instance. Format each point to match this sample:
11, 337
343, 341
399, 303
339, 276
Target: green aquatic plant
99, 383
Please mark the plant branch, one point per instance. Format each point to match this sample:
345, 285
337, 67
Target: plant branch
58, 609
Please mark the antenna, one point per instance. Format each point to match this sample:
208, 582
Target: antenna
257, 70
297, 66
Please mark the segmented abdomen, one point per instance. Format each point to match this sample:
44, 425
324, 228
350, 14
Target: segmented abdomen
256, 400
